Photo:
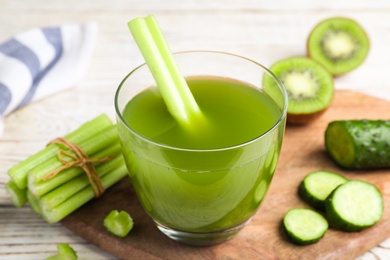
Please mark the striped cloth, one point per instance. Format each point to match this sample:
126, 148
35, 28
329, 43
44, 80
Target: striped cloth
42, 61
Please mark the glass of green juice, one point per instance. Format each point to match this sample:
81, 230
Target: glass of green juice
201, 187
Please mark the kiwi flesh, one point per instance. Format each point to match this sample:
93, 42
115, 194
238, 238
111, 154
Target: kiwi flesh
309, 88
339, 44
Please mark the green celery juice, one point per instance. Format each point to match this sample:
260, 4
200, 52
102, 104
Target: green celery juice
214, 179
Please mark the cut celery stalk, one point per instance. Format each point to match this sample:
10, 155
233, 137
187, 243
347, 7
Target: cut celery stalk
70, 188
18, 172
40, 188
53, 215
65, 252
97, 142
158, 56
18, 196
118, 223
34, 203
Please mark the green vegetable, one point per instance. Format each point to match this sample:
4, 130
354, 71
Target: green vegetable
55, 214
350, 205
317, 186
18, 172
359, 144
18, 196
118, 223
40, 188
304, 226
95, 143
355, 205
56, 198
34, 202
65, 252
73, 186
172, 85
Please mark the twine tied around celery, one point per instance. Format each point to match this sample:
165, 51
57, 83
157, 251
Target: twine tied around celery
80, 159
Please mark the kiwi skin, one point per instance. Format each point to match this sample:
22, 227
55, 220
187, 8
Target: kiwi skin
337, 74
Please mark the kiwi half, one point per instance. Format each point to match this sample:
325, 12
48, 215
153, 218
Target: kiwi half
309, 87
339, 44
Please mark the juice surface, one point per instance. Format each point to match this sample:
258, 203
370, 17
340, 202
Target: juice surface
203, 191
235, 113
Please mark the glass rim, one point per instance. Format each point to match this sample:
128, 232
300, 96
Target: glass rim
232, 147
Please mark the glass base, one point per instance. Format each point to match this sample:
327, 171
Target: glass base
201, 238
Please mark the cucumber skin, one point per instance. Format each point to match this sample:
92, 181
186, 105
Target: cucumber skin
298, 241
371, 142
309, 199
338, 221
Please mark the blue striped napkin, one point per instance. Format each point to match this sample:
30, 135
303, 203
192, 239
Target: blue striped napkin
42, 61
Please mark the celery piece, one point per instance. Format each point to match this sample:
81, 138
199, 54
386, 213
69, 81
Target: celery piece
97, 142
18, 196
65, 252
40, 188
158, 56
118, 223
34, 203
18, 172
53, 215
68, 189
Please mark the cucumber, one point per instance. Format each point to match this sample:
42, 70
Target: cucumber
359, 144
304, 226
354, 205
316, 187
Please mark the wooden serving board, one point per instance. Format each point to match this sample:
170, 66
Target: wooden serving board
302, 152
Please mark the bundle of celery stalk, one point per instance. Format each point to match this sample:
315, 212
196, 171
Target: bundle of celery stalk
56, 197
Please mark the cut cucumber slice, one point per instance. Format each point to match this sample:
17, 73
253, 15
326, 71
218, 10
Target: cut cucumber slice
316, 187
304, 226
355, 205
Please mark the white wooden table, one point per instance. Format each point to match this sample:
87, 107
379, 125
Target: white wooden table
262, 30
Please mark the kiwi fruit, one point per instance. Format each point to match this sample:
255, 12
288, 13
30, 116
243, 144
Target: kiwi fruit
339, 44
309, 87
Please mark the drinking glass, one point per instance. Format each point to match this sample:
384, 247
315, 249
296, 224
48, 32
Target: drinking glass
202, 196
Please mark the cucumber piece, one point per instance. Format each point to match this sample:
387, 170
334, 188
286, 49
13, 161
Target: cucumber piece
359, 144
304, 226
316, 187
355, 205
